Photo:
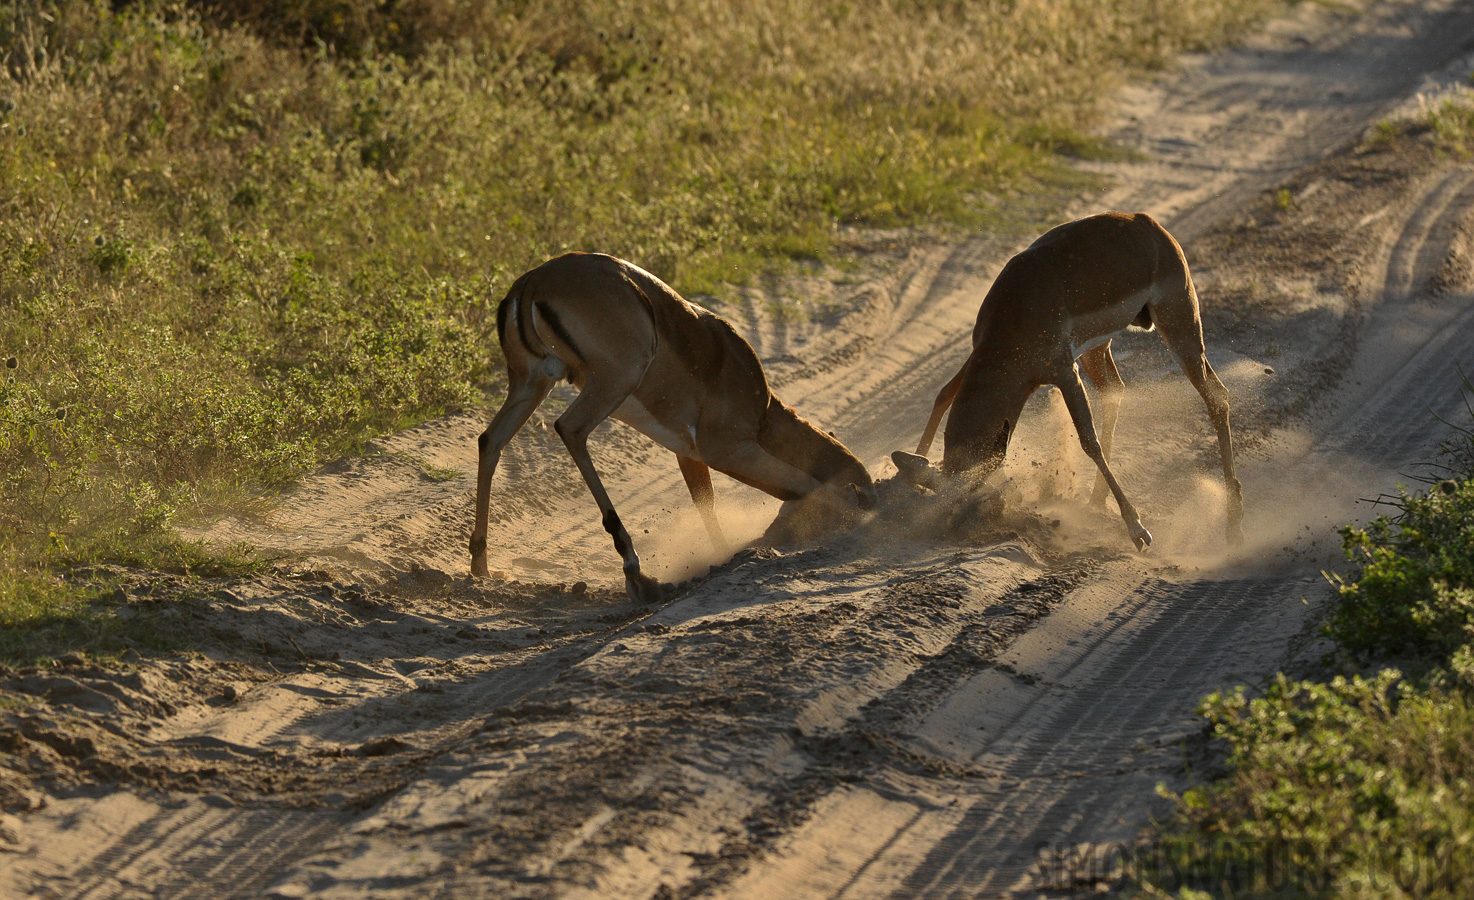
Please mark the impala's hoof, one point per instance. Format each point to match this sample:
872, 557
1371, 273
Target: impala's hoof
478, 567
1235, 536
1141, 538
643, 589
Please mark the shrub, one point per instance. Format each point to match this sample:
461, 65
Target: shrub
1413, 589
1355, 788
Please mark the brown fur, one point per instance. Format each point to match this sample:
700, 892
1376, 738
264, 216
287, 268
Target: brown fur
676, 372
1066, 296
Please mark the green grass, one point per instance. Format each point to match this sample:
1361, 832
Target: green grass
428, 469
1451, 122
43, 616
239, 239
61, 603
439, 473
1447, 123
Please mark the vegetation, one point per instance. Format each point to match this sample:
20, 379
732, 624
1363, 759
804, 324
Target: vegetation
1452, 122
1358, 787
1413, 591
45, 618
241, 237
1447, 122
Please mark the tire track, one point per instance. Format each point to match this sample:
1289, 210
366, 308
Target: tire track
99, 879
1423, 244
202, 850
209, 846
1396, 423
1063, 780
1076, 758
1268, 125
243, 864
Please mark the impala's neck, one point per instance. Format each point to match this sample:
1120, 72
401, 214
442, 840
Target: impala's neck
797, 442
982, 420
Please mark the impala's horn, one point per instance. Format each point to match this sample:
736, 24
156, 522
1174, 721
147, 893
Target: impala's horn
995, 457
916, 470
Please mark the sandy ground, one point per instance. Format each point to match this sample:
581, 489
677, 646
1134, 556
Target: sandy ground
934, 704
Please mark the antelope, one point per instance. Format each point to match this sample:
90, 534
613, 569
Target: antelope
673, 371
1064, 298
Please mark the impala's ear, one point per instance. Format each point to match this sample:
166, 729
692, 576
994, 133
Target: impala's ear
863, 499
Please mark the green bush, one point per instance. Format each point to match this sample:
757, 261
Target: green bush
1413, 590
1356, 788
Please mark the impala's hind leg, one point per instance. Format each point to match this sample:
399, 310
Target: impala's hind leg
698, 482
1073, 388
945, 396
527, 388
598, 400
1182, 331
1100, 366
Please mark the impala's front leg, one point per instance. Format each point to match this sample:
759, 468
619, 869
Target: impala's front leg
1100, 366
945, 396
586, 411
1079, 405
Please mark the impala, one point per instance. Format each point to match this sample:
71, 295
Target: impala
673, 371
1064, 298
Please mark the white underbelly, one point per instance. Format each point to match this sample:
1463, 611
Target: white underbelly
1092, 329
632, 413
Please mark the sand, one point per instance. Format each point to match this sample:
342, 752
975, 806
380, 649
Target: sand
933, 703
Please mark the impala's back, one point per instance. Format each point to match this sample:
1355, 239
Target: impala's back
694, 385
1046, 303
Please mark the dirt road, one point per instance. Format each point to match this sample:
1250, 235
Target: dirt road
929, 706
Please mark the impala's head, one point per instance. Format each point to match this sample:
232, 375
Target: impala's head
982, 420
799, 443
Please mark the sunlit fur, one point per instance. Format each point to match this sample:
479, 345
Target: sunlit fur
1061, 300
